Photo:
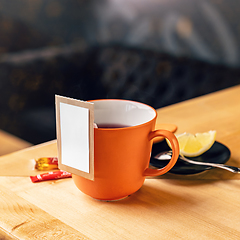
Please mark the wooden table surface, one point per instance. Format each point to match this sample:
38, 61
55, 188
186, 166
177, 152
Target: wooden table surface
10, 143
203, 207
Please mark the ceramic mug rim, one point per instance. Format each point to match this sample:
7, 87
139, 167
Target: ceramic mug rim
130, 101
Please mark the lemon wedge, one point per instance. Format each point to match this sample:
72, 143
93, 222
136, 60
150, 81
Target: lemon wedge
193, 145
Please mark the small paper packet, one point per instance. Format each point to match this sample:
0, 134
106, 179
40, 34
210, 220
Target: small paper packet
46, 163
50, 176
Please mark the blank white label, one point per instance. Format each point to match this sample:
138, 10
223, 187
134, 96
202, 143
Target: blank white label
74, 123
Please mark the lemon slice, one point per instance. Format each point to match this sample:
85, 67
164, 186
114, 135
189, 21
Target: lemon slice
193, 145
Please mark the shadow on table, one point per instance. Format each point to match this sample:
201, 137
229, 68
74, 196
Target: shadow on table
152, 196
208, 175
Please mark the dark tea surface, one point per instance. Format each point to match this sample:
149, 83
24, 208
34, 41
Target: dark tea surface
111, 125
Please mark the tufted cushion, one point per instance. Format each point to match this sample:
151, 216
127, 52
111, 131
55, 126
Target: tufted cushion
155, 78
29, 81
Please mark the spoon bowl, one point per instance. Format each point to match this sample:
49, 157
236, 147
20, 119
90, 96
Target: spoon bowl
218, 153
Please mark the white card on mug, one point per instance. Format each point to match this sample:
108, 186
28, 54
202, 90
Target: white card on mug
75, 136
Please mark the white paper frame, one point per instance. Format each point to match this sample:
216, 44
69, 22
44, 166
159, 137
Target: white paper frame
75, 136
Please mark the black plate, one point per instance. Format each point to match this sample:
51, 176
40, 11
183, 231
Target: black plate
218, 153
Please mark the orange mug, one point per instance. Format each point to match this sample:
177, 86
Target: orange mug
122, 149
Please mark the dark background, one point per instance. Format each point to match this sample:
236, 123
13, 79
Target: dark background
158, 52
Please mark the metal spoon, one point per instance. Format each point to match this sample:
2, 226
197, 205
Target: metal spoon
168, 154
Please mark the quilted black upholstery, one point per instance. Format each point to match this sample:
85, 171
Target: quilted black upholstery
157, 79
29, 81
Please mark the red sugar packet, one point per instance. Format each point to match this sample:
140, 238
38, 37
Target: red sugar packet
51, 176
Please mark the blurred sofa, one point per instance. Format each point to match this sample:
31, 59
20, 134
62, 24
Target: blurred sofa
30, 80
98, 58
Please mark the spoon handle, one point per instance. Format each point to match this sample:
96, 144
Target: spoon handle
167, 155
222, 166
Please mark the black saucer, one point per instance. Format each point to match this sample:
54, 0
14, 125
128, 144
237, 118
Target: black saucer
218, 153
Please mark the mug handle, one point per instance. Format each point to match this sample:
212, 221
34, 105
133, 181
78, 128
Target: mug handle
175, 149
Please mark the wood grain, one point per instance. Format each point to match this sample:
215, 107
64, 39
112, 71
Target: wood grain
5, 235
161, 209
24, 220
21, 163
218, 111
10, 143
164, 208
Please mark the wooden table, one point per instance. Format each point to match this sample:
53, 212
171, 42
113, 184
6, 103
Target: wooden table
10, 143
164, 208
